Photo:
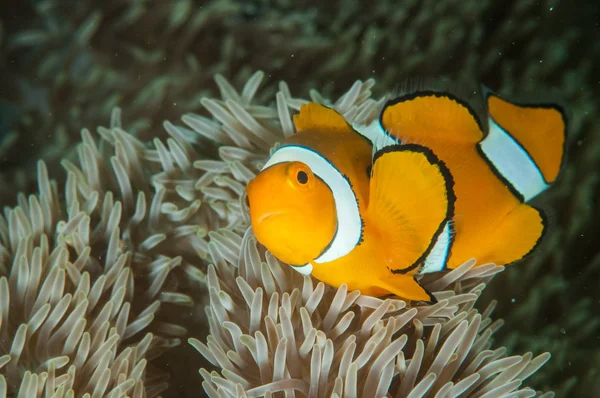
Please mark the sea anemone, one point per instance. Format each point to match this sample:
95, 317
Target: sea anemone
70, 320
128, 235
273, 330
83, 275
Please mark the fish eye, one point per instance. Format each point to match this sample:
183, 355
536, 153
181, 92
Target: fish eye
302, 177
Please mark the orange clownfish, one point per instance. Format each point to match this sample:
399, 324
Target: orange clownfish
425, 187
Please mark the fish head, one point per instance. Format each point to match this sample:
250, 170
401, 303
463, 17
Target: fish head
292, 211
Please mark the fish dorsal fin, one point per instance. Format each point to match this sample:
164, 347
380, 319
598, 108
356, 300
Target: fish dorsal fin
540, 129
316, 116
411, 201
429, 115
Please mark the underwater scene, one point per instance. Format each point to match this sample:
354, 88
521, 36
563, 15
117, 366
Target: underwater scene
286, 198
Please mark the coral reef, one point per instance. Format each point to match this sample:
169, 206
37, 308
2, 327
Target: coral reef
64, 66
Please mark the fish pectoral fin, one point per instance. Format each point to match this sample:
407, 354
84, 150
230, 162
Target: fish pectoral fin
316, 116
429, 115
406, 287
411, 201
516, 236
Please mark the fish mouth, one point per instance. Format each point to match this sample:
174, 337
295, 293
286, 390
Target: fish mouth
266, 216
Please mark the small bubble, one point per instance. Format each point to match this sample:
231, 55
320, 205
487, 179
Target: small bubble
514, 300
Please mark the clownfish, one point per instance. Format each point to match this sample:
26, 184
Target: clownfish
423, 188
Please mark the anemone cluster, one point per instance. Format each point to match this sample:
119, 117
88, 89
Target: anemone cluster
102, 279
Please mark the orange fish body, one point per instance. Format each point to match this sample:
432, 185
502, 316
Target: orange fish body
423, 189
487, 205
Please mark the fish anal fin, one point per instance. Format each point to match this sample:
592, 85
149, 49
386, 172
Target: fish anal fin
316, 116
411, 199
429, 115
539, 129
406, 287
516, 236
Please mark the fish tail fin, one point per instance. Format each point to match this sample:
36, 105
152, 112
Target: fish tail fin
406, 287
525, 143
